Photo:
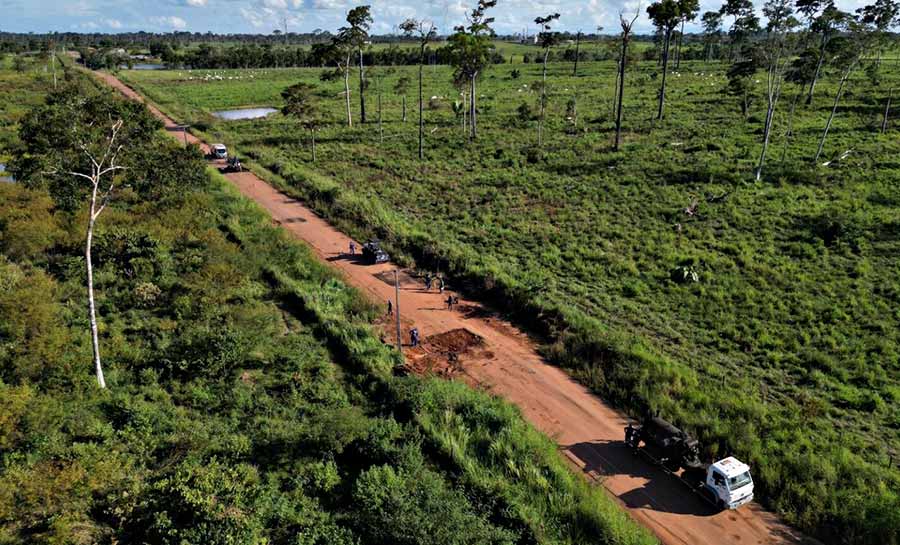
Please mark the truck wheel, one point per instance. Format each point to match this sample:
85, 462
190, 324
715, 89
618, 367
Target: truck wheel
720, 505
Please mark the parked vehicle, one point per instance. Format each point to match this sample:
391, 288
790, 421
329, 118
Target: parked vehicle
727, 484
218, 151
233, 165
373, 253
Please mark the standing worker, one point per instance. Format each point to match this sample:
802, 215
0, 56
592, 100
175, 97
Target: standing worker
441, 283
390, 309
427, 281
352, 248
414, 337
449, 302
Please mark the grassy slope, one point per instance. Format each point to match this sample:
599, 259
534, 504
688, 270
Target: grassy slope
249, 400
785, 351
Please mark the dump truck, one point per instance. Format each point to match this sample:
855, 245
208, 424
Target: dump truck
726, 484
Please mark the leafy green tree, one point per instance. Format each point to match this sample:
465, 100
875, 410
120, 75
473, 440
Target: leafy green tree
339, 52
84, 146
745, 24
425, 32
665, 15
470, 50
740, 75
357, 36
300, 103
828, 22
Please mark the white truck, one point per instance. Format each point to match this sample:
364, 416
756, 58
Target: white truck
727, 484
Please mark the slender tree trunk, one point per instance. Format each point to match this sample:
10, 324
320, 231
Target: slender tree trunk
620, 93
347, 91
53, 63
887, 111
313, 131
790, 124
362, 90
837, 99
92, 311
543, 99
767, 130
403, 102
678, 47
815, 78
380, 126
473, 120
421, 98
577, 48
665, 69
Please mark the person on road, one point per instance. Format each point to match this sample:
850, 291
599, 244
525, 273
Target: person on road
390, 308
441, 284
414, 337
449, 302
352, 248
427, 281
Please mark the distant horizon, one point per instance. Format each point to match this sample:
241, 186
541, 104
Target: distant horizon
238, 17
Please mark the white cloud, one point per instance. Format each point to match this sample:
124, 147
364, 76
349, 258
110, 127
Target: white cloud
170, 21
196, 3
112, 23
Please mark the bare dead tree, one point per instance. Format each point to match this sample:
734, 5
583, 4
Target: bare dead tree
623, 60
103, 182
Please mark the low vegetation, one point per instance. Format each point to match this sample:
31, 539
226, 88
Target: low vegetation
247, 399
760, 315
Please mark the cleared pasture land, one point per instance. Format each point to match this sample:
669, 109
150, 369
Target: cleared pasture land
786, 349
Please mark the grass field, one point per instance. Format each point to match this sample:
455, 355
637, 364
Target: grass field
18, 92
786, 349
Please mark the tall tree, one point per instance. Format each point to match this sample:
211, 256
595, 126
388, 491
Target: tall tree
712, 30
825, 21
745, 24
300, 104
689, 10
665, 15
776, 52
357, 35
546, 39
862, 34
470, 53
626, 25
83, 145
425, 32
339, 52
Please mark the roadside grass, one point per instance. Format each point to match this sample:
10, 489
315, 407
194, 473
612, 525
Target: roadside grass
786, 350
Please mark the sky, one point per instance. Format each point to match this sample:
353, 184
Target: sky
264, 16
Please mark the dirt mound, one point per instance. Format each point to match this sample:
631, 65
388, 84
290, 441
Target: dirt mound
456, 340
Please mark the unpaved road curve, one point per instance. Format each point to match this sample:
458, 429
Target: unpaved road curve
588, 431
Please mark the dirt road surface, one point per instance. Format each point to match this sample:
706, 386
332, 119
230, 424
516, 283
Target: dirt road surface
471, 342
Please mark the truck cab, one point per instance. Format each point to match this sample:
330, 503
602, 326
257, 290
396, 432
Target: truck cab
730, 483
218, 151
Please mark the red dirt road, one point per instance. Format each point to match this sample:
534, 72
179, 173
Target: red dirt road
505, 362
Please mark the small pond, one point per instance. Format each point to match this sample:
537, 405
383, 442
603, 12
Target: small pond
245, 113
145, 66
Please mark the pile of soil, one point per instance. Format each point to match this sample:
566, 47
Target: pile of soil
456, 340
